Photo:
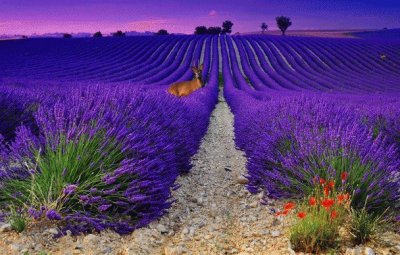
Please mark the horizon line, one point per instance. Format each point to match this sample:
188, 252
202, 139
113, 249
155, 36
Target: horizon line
182, 33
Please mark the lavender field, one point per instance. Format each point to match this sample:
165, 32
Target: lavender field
316, 107
93, 117
149, 134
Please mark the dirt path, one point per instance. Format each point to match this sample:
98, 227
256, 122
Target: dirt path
213, 212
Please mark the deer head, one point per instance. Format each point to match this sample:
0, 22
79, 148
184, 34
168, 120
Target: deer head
197, 72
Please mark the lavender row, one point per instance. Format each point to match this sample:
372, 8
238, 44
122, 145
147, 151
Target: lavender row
317, 64
290, 137
141, 60
156, 133
143, 138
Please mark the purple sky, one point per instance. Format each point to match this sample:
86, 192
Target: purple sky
42, 16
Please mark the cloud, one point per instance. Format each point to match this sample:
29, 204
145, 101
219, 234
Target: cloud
152, 24
212, 13
11, 23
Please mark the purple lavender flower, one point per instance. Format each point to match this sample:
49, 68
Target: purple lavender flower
105, 207
109, 179
70, 189
94, 200
93, 190
36, 214
53, 215
84, 198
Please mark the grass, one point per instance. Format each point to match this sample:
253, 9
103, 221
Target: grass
319, 218
40, 253
83, 163
17, 220
220, 80
328, 209
365, 225
317, 227
248, 81
314, 233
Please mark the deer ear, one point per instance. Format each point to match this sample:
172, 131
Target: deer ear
201, 67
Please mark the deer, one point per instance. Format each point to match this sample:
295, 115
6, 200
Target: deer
185, 88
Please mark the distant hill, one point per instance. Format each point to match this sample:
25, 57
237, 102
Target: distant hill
384, 34
335, 33
60, 35
74, 35
134, 33
10, 37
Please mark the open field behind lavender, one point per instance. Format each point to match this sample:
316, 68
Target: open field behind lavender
294, 100
384, 34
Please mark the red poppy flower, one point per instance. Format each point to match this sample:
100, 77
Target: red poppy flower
343, 176
341, 198
301, 215
312, 201
326, 191
289, 206
331, 184
327, 203
322, 181
334, 215
285, 212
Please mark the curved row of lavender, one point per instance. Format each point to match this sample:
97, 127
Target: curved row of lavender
126, 141
131, 60
309, 108
304, 107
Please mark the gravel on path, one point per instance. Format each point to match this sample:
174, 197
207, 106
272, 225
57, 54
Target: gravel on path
213, 213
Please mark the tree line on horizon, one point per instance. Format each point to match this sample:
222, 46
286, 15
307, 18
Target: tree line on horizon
282, 22
225, 29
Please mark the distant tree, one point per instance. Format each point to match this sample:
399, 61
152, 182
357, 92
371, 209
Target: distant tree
162, 32
283, 23
119, 33
24, 37
200, 30
98, 34
67, 35
264, 27
214, 30
227, 27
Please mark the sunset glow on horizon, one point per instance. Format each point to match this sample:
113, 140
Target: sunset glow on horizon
46, 16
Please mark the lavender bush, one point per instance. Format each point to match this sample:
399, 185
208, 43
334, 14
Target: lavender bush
290, 137
101, 156
307, 137
103, 159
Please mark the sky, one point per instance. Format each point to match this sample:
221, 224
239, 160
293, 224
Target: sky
178, 16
